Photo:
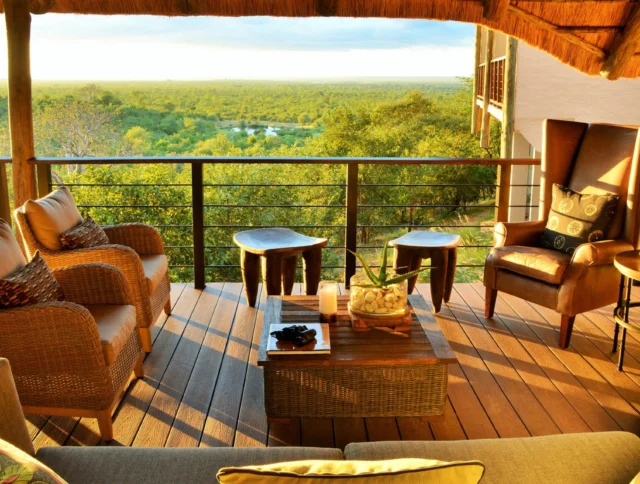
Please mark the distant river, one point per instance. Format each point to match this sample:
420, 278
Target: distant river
270, 131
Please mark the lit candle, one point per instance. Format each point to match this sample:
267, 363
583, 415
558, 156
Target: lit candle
328, 301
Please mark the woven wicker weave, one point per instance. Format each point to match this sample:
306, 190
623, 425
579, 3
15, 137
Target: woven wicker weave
128, 243
355, 391
55, 350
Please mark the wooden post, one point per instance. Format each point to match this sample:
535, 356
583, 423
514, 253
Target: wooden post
5, 204
351, 228
474, 95
44, 179
503, 192
197, 200
508, 100
485, 131
18, 20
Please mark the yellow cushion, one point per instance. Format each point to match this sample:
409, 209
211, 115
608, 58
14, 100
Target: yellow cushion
372, 472
155, 267
19, 467
12, 258
115, 325
543, 264
48, 217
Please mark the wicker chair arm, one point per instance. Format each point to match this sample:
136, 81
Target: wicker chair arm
124, 258
94, 283
142, 238
56, 356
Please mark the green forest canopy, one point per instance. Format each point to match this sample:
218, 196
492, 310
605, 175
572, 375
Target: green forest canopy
276, 119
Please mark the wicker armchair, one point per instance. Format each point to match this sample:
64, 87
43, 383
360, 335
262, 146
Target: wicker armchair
74, 358
136, 249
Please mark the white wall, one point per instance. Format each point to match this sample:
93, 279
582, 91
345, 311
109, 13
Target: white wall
546, 88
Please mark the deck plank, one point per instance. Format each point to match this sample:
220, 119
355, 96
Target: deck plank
161, 414
191, 415
222, 418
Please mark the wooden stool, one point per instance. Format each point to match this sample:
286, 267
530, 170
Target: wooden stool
628, 263
441, 248
279, 249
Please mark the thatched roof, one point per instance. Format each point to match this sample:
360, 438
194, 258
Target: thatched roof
581, 33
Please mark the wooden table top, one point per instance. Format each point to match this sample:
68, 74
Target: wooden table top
275, 240
426, 239
628, 263
426, 344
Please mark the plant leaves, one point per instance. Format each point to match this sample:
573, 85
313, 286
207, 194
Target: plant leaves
372, 277
383, 265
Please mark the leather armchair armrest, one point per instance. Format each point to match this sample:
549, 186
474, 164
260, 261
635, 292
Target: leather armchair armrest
94, 283
599, 253
142, 238
518, 233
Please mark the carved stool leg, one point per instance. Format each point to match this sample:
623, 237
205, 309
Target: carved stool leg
439, 262
414, 264
312, 262
250, 275
451, 272
272, 274
289, 266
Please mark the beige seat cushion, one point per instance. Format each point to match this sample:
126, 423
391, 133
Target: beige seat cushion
542, 264
155, 268
12, 257
115, 325
48, 217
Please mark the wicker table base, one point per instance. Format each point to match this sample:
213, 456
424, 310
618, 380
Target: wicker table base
371, 374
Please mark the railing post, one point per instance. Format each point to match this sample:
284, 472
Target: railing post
197, 201
44, 179
5, 204
503, 193
351, 228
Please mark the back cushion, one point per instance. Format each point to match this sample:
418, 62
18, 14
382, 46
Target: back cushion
48, 217
603, 165
11, 258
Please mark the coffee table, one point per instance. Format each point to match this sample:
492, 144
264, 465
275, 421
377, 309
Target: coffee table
372, 374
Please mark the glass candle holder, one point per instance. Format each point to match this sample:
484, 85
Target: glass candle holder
328, 301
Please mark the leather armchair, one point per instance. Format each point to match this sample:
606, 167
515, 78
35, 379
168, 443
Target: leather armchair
593, 159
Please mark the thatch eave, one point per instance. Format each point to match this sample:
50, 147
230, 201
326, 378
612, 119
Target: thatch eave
581, 33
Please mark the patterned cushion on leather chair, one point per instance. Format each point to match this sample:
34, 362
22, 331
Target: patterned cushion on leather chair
577, 218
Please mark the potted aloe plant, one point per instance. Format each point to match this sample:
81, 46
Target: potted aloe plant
383, 295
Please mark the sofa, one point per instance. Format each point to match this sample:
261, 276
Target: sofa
605, 457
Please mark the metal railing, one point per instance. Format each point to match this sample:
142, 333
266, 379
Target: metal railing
353, 234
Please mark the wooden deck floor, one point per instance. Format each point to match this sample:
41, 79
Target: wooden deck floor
203, 388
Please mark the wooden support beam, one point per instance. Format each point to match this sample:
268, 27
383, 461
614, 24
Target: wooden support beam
18, 20
508, 99
549, 27
475, 126
485, 130
326, 8
624, 48
495, 9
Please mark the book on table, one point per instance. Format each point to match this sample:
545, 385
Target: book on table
321, 345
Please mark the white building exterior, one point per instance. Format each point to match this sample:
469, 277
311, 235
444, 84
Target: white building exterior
547, 88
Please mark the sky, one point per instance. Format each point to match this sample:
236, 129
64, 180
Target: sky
75, 47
